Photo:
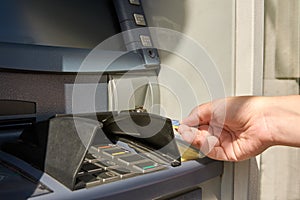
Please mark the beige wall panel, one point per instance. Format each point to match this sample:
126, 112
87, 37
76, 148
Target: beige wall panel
280, 174
280, 165
287, 38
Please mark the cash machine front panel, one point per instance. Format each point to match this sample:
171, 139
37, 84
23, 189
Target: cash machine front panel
50, 152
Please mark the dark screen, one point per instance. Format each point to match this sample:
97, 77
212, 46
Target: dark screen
65, 23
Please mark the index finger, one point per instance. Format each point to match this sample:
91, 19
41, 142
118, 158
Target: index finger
200, 115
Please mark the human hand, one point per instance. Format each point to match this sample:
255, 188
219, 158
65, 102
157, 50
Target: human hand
230, 129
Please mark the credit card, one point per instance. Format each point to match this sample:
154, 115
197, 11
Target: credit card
175, 123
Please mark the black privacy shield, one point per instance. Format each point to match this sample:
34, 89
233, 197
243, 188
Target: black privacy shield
68, 141
149, 130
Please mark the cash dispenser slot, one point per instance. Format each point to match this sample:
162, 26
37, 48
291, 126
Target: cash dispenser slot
85, 150
16, 113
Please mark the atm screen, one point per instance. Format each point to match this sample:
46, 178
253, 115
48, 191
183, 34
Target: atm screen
76, 24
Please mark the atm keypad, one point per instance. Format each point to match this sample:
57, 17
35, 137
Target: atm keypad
108, 163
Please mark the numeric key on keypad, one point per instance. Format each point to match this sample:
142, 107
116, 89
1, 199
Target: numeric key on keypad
148, 166
115, 152
123, 172
106, 176
106, 163
88, 180
131, 159
89, 167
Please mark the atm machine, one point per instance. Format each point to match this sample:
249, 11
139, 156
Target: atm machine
80, 121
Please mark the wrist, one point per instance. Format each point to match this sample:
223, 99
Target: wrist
283, 120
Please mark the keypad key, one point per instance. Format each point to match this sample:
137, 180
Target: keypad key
146, 166
123, 172
106, 146
139, 19
131, 159
106, 163
90, 158
89, 167
115, 152
106, 176
135, 2
81, 172
99, 148
146, 40
89, 180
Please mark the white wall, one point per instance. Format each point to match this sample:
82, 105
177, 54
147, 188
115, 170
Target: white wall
209, 24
